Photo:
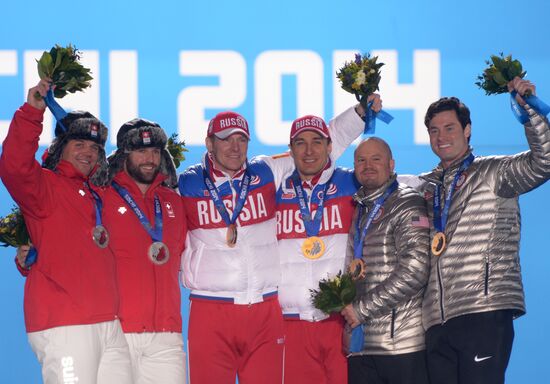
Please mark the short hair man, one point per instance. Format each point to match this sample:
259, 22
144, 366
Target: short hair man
232, 262
314, 213
475, 288
147, 228
71, 294
388, 254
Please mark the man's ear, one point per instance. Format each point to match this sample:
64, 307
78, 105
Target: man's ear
208, 141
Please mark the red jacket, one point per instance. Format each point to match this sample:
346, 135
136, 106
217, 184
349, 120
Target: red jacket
73, 281
150, 297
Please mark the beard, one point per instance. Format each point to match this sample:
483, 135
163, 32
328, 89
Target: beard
138, 175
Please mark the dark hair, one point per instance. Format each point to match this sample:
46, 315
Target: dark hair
448, 104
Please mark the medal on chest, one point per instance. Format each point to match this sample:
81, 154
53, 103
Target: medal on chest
231, 236
158, 253
357, 269
441, 211
100, 236
242, 193
439, 242
313, 247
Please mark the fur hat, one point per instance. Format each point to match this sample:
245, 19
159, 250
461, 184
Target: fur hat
81, 125
137, 134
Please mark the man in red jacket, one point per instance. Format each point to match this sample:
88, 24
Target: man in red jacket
71, 297
147, 228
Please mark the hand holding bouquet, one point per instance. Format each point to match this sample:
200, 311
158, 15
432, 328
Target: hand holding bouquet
13, 233
361, 77
499, 77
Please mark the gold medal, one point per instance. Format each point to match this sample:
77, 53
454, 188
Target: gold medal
158, 253
100, 236
313, 247
231, 235
357, 269
439, 242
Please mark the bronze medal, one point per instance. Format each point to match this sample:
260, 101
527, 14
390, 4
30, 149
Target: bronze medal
231, 235
357, 269
100, 236
313, 247
439, 243
158, 253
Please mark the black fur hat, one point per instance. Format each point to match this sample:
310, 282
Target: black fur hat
81, 125
142, 133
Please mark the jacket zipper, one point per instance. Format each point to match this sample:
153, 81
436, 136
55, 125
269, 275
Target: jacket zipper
441, 295
392, 323
486, 275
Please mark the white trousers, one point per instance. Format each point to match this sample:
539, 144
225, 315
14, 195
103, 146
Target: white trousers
157, 357
83, 354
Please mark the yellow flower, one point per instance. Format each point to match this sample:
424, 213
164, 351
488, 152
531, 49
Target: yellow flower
359, 81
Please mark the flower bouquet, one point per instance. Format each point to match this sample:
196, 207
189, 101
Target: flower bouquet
61, 65
361, 77
176, 149
13, 233
334, 294
495, 78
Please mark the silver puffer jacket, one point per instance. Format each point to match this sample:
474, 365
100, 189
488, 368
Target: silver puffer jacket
479, 270
396, 255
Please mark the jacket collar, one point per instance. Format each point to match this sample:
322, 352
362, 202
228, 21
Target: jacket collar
66, 169
435, 174
322, 177
363, 197
217, 174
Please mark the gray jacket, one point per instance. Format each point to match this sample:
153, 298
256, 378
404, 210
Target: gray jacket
395, 252
479, 270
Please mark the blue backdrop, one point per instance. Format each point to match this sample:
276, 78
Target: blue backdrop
180, 62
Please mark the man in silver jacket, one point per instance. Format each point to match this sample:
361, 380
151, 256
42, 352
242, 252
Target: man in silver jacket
388, 251
475, 288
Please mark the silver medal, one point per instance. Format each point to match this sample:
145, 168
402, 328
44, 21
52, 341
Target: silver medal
158, 253
100, 236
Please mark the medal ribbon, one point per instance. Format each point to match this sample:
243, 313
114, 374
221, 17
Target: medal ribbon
156, 233
56, 109
521, 114
218, 202
312, 225
440, 218
359, 237
370, 120
98, 204
357, 333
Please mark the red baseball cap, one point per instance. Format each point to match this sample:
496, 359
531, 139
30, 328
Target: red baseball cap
224, 124
309, 123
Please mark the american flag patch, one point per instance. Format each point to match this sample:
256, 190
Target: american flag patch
420, 222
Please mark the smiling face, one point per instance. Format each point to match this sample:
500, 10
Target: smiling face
229, 154
143, 165
310, 152
82, 154
373, 164
449, 141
